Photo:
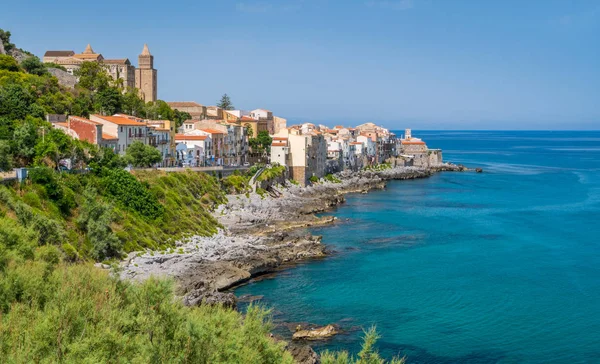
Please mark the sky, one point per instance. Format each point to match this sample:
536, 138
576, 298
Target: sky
425, 64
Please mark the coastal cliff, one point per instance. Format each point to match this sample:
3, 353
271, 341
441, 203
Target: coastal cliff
261, 233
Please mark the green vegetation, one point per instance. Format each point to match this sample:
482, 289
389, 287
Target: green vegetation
225, 103
378, 167
261, 144
331, 178
55, 306
272, 173
142, 155
55, 312
314, 179
236, 183
367, 355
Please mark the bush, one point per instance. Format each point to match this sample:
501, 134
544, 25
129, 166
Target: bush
131, 194
236, 184
333, 179
79, 314
367, 355
314, 179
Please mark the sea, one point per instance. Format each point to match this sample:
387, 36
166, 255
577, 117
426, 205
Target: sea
495, 267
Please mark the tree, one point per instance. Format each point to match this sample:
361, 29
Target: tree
139, 154
15, 101
249, 131
108, 101
225, 103
180, 117
5, 156
25, 138
8, 63
262, 143
93, 76
5, 39
94, 219
133, 104
159, 110
34, 66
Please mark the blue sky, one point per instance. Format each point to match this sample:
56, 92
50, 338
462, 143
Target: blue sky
425, 64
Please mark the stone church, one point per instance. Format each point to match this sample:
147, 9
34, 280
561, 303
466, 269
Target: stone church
144, 78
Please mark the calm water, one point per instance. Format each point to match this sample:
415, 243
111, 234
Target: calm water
499, 267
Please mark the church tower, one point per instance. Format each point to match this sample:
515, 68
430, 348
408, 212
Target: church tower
145, 75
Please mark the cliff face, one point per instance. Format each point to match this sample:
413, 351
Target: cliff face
2, 51
64, 78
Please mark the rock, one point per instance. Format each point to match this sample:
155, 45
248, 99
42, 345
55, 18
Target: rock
478, 170
247, 298
64, 78
2, 51
318, 333
212, 298
303, 354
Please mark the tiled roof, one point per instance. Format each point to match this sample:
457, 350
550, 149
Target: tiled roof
84, 120
408, 142
117, 61
119, 120
109, 137
280, 138
59, 53
189, 137
62, 124
183, 104
247, 118
275, 144
212, 131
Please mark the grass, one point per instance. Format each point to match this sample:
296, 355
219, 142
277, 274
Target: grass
378, 167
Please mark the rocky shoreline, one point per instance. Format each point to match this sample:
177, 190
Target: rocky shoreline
260, 234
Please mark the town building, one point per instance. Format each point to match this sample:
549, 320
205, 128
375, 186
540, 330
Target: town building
196, 110
90, 131
416, 152
193, 149
144, 78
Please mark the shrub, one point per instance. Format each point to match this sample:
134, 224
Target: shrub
333, 179
367, 354
131, 193
80, 314
314, 179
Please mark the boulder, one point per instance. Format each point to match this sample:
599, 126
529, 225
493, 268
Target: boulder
317, 333
199, 297
478, 170
303, 354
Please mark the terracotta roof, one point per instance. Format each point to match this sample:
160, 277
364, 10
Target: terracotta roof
212, 131
338, 127
412, 142
59, 53
109, 137
117, 61
189, 137
355, 143
183, 104
247, 118
274, 144
87, 56
62, 124
280, 138
119, 120
84, 120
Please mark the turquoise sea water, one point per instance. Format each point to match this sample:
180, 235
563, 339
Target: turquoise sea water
498, 267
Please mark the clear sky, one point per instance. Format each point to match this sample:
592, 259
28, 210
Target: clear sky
425, 64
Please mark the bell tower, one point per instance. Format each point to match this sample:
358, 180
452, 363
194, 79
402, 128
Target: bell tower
145, 75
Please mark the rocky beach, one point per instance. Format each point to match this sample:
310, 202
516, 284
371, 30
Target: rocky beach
260, 234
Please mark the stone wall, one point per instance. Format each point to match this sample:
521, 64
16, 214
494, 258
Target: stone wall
298, 174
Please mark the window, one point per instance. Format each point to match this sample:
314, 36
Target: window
121, 129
